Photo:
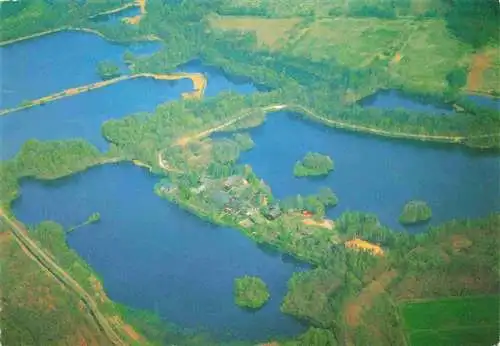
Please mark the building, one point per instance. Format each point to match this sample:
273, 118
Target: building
233, 181
167, 187
272, 213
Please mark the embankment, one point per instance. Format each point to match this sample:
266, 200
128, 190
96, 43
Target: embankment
198, 79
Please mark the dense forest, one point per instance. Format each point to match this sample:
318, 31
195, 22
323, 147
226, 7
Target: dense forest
22, 18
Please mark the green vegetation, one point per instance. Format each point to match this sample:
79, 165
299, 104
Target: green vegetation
108, 70
244, 141
94, 217
48, 161
316, 204
23, 18
415, 212
250, 292
457, 78
36, 309
314, 337
452, 321
313, 164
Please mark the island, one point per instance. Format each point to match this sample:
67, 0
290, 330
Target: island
250, 292
313, 164
93, 218
415, 212
108, 70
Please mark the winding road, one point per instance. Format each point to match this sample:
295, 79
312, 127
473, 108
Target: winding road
44, 260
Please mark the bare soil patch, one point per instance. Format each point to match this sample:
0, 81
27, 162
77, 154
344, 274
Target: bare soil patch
480, 63
364, 300
328, 224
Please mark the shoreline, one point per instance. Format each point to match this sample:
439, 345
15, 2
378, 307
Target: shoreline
198, 79
148, 38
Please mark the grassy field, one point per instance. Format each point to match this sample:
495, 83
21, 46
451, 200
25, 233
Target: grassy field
452, 321
271, 33
430, 54
417, 53
323, 8
36, 309
354, 42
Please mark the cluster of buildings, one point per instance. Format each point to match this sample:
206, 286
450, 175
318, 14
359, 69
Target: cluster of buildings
235, 196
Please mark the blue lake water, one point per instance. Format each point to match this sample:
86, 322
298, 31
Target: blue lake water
218, 80
52, 63
393, 99
82, 115
39, 67
486, 101
376, 175
117, 16
153, 255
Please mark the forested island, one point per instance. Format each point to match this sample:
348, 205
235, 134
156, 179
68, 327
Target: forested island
313, 164
415, 212
250, 292
108, 70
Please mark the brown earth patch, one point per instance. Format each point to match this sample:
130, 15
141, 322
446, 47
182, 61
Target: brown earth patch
99, 291
460, 242
480, 63
328, 224
397, 58
131, 332
364, 300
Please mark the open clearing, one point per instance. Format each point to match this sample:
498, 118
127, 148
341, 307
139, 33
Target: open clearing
431, 53
452, 321
484, 71
364, 301
353, 42
271, 33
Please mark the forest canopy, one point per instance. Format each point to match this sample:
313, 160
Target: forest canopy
313, 164
414, 212
250, 292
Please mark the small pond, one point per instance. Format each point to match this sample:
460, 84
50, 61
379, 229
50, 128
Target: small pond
116, 17
486, 101
394, 99
219, 81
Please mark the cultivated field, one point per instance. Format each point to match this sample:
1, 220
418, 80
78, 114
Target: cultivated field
452, 321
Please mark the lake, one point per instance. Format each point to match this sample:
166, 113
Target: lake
150, 253
376, 175
486, 101
218, 80
26, 78
394, 99
116, 17
153, 255
82, 115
